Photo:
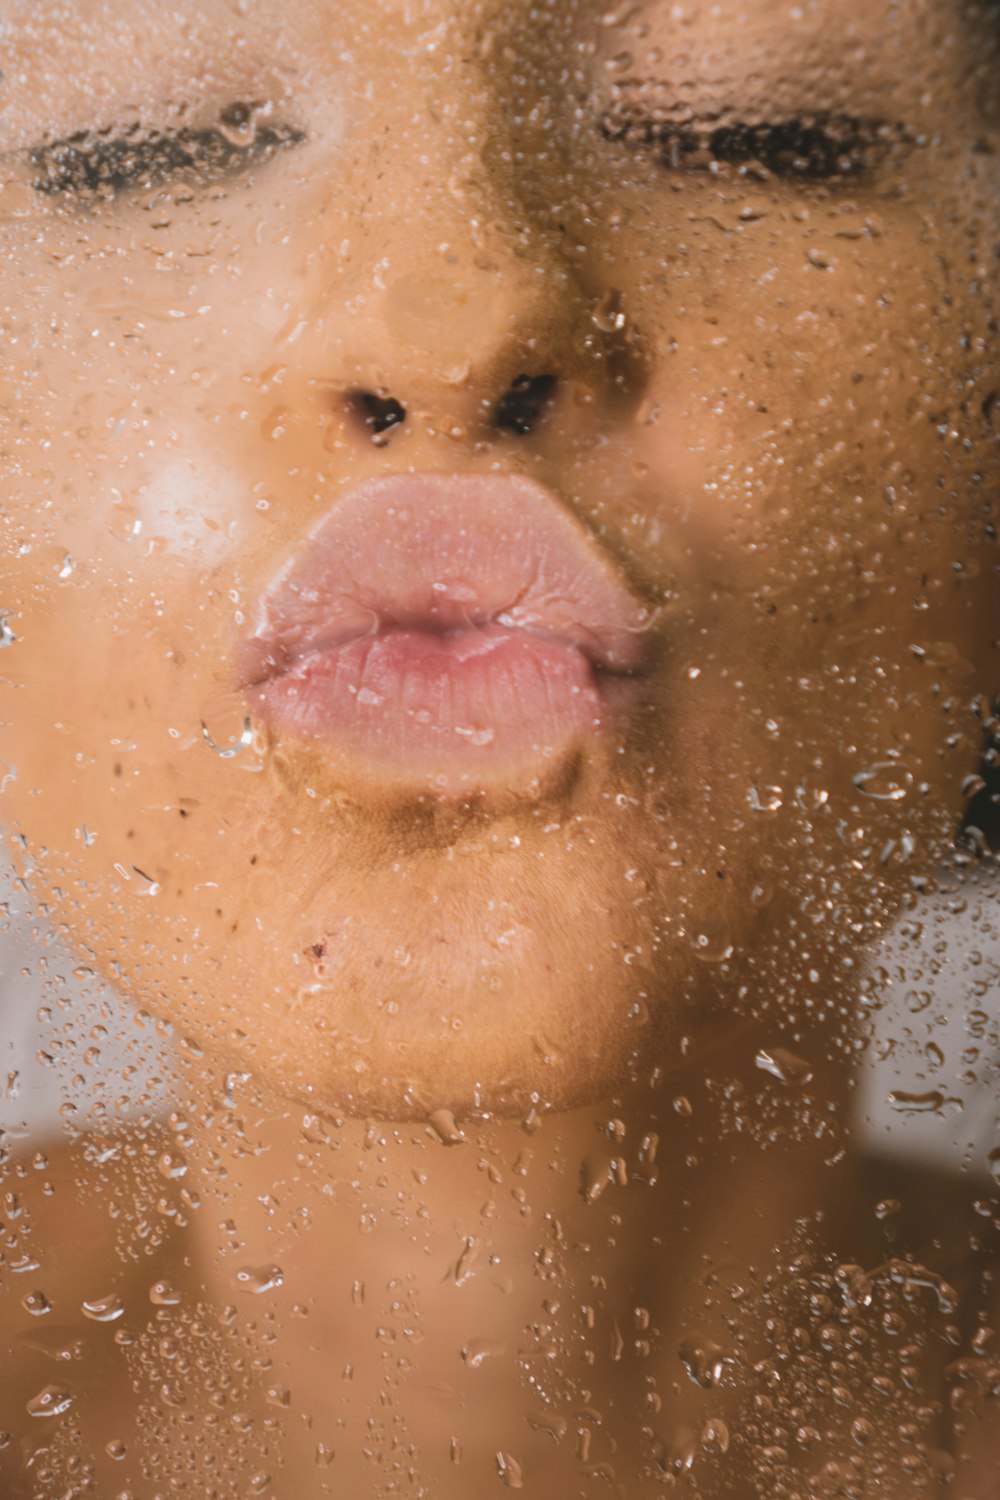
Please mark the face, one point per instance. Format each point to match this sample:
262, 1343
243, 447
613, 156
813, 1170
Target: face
497, 530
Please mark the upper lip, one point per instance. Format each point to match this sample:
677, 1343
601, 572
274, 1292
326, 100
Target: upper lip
445, 553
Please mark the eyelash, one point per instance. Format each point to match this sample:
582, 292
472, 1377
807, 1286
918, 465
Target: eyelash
93, 163
819, 148
815, 148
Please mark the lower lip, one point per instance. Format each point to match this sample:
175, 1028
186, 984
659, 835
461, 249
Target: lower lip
455, 713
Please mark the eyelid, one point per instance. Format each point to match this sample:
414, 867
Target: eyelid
812, 145
117, 159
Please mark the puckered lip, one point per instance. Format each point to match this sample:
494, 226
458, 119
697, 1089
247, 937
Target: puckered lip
449, 556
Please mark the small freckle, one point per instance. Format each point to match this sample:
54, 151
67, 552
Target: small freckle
182, 811
218, 911
318, 950
720, 874
253, 859
118, 768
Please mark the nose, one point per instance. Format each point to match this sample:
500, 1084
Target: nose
434, 293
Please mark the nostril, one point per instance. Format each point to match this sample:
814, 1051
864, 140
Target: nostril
523, 405
378, 413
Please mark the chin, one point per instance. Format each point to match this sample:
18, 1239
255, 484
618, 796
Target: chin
477, 1021
511, 1080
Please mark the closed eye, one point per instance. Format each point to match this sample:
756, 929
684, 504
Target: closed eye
104, 163
813, 147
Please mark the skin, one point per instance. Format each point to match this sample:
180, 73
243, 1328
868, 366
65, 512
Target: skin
759, 446
786, 445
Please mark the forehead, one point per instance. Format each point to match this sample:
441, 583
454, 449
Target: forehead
61, 58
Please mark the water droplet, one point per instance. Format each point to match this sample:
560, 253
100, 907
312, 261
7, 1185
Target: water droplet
104, 1309
51, 1401
703, 1359
941, 1463
927, 1102
767, 799
226, 726
442, 1122
279, 1395
463, 1266
126, 522
115, 1449
609, 314
478, 1351
258, 1279
7, 636
934, 1055
910, 1275
887, 781
239, 123
712, 943
595, 1175
509, 1472
715, 1435
36, 1303
171, 1166
325, 1454
276, 423
478, 737
315, 1129
551, 1422
993, 1162
164, 1294
784, 1066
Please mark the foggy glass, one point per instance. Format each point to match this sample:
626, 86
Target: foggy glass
499, 748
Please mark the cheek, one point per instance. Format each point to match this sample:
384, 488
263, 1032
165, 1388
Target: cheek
819, 520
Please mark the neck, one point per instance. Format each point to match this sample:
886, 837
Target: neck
446, 1267
410, 1288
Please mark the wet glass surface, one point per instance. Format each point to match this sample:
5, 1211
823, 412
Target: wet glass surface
499, 749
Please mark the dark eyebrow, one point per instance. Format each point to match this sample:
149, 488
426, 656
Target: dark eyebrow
114, 158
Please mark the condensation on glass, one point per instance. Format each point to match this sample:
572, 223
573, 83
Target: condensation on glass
499, 748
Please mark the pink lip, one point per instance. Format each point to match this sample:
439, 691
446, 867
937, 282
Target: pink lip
445, 632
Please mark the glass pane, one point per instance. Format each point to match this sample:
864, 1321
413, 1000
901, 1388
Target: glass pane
499, 748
